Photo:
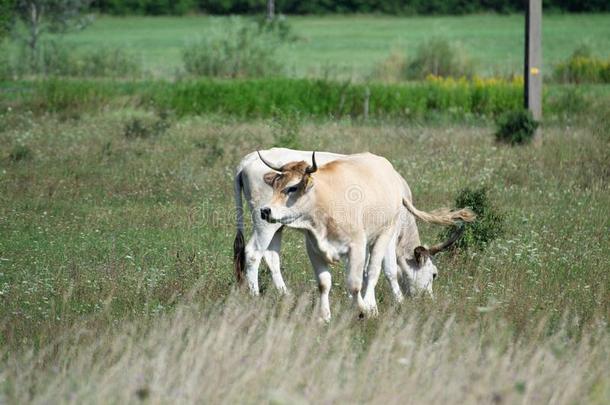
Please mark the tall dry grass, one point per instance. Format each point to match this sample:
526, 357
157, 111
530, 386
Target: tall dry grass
266, 351
116, 276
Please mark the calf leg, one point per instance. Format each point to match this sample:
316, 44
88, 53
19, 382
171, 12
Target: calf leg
390, 269
256, 247
322, 272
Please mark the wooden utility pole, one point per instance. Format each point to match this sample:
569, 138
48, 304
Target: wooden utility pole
533, 60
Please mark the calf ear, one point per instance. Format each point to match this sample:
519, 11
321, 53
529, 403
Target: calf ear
421, 254
269, 178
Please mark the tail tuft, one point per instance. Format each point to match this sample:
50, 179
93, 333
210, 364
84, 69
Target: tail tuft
442, 216
239, 257
465, 214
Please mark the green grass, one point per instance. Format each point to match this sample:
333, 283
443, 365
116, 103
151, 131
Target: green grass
115, 268
430, 100
94, 218
351, 45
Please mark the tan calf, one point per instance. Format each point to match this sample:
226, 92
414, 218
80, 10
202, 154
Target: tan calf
347, 208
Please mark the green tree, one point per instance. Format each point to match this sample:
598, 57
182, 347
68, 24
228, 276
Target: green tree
7, 14
38, 17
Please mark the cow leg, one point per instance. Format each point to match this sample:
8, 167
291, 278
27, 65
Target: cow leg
256, 247
356, 259
378, 251
322, 272
272, 258
390, 269
365, 273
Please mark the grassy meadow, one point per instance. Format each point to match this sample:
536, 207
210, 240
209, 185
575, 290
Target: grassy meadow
117, 221
351, 46
116, 278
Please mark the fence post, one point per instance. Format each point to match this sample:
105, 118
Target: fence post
367, 96
532, 73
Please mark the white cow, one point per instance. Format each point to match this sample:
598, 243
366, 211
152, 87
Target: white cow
266, 238
414, 261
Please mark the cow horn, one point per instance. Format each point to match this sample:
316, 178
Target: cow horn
268, 164
444, 245
312, 169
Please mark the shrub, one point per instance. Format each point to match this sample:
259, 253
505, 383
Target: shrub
107, 62
146, 128
6, 17
569, 103
234, 49
488, 225
438, 57
212, 149
6, 71
147, 7
57, 59
516, 127
20, 152
278, 27
392, 68
582, 67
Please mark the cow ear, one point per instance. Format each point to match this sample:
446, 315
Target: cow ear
269, 178
421, 254
308, 182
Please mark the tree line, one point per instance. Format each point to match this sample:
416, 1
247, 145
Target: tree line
400, 7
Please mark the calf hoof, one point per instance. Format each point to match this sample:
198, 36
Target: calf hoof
324, 320
324, 317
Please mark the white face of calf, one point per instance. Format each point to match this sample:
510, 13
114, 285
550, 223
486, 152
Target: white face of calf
291, 185
421, 272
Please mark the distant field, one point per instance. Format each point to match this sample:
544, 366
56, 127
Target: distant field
352, 45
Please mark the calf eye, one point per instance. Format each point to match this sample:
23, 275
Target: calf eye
291, 189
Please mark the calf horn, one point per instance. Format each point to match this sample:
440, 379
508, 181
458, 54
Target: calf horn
268, 164
314, 167
444, 245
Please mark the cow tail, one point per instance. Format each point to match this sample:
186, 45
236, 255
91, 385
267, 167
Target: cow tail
442, 216
239, 245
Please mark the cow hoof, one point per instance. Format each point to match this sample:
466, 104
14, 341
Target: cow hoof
370, 308
370, 313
